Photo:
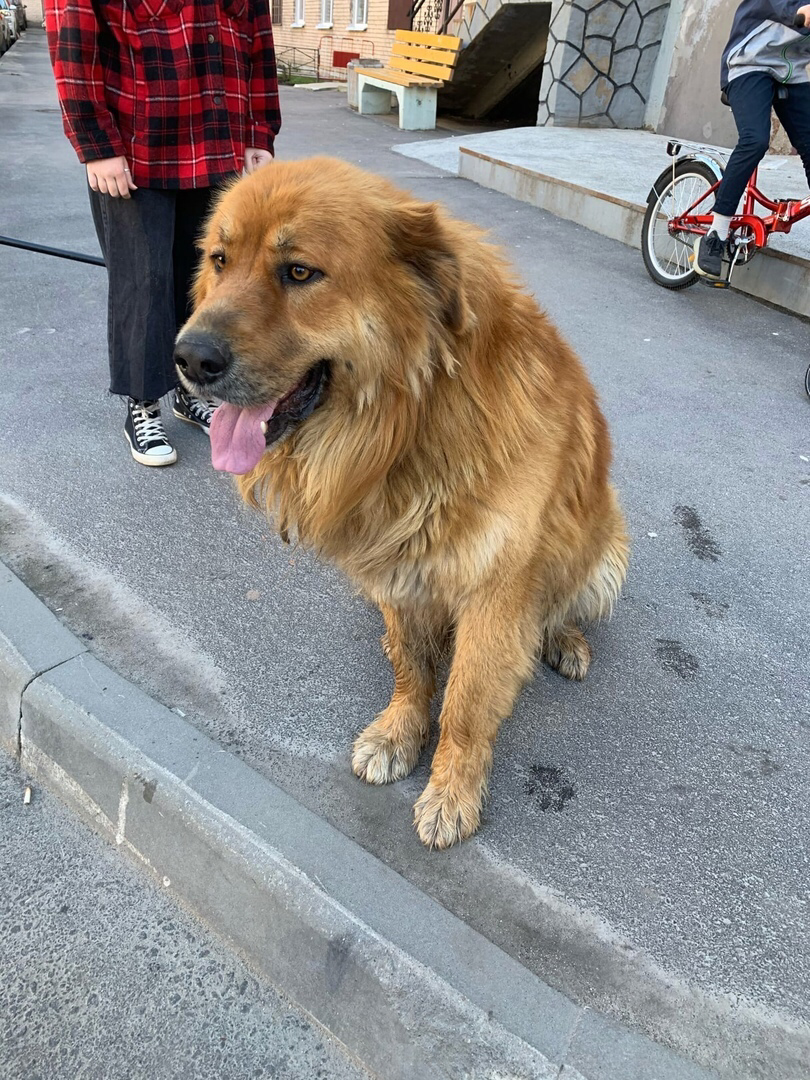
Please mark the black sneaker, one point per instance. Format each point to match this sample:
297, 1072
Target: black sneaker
711, 251
145, 435
193, 410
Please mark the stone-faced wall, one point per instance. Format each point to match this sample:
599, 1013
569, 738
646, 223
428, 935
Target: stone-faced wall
599, 62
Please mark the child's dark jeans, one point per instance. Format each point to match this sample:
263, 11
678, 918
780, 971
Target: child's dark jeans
752, 97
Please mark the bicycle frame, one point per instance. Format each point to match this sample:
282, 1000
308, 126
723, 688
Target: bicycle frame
781, 219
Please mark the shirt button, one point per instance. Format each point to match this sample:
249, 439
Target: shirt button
211, 39
217, 100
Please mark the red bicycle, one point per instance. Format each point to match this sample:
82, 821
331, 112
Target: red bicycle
679, 213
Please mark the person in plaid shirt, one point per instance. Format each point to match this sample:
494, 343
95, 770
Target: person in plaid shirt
163, 100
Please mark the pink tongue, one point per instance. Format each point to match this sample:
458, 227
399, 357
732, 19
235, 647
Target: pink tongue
237, 439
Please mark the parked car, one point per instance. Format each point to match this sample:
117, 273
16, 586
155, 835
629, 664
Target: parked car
22, 17
11, 19
5, 34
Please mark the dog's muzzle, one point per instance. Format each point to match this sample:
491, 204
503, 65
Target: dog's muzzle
201, 358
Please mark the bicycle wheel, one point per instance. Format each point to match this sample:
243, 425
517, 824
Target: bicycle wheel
667, 256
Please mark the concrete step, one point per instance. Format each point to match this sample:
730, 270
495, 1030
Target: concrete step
600, 179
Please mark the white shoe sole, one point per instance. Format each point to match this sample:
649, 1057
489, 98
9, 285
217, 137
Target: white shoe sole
151, 460
180, 416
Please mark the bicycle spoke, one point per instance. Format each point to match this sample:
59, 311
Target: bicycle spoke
672, 253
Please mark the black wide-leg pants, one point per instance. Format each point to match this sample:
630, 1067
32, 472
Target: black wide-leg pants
149, 245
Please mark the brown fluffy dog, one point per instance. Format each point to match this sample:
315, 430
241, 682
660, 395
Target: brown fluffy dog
404, 408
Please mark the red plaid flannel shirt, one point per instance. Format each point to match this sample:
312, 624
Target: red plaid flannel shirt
179, 87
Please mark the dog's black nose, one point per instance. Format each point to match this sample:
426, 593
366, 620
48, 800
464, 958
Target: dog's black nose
201, 358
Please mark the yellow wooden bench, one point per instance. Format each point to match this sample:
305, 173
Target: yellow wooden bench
420, 64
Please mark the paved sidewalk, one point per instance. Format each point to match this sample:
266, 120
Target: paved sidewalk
104, 978
645, 849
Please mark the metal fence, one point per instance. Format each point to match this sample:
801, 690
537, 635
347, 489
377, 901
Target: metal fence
293, 61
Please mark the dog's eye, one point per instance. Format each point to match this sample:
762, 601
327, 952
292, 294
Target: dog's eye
296, 274
218, 259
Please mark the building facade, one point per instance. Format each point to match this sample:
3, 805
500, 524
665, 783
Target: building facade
318, 37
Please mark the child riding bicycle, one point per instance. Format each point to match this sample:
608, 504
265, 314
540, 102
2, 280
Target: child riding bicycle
766, 64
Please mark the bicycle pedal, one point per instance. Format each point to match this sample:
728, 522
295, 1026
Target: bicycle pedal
715, 284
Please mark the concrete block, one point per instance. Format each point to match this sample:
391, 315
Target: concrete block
611, 217
32, 640
600, 1050
777, 277
372, 100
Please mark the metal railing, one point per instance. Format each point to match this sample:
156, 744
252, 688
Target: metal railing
292, 60
433, 16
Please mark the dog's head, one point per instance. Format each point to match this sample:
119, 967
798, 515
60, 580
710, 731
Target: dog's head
320, 285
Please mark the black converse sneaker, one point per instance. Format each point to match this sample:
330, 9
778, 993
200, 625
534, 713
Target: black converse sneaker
710, 251
193, 410
145, 435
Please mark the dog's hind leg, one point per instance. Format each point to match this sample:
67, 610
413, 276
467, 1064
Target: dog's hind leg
389, 748
566, 650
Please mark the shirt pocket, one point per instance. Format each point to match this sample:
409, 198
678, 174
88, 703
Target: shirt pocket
155, 10
236, 9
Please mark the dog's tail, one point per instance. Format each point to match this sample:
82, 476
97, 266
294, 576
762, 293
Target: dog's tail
602, 589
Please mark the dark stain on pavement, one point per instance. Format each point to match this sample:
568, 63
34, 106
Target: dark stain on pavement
149, 788
337, 957
700, 541
549, 787
756, 756
715, 609
673, 657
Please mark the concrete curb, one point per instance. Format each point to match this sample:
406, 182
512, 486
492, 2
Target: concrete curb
774, 276
410, 990
32, 641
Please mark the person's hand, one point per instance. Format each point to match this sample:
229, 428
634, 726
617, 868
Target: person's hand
805, 10
111, 176
254, 159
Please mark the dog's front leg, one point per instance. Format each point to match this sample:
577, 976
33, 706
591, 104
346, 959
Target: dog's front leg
496, 636
389, 748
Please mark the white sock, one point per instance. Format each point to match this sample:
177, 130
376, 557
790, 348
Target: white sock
721, 225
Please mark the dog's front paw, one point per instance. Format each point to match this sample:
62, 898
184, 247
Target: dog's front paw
388, 751
445, 815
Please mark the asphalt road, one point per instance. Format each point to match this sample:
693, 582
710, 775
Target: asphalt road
647, 837
104, 978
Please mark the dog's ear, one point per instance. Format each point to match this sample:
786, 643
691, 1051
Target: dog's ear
420, 240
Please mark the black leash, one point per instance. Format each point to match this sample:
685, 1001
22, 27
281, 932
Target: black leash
59, 253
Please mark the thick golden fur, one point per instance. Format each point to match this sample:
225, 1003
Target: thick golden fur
457, 468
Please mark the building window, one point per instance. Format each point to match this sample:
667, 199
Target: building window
359, 14
326, 15
298, 13
277, 14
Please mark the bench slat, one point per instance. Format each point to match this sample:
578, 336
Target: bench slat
429, 56
416, 37
416, 67
398, 77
